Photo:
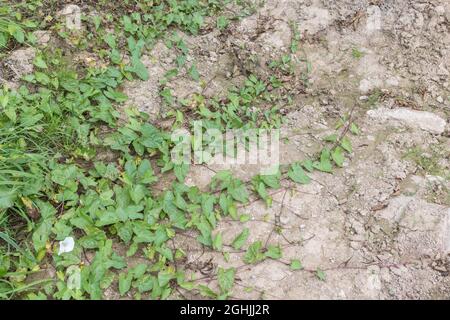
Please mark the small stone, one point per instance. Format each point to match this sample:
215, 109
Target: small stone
366, 85
397, 271
42, 36
440, 268
213, 56
355, 245
374, 17
20, 62
392, 81
72, 14
424, 120
440, 10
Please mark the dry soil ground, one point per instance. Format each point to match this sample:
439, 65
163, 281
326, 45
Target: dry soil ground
380, 226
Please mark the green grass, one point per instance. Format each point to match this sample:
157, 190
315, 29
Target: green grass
10, 27
374, 98
428, 160
357, 54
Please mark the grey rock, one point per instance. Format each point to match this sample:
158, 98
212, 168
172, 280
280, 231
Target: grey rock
417, 119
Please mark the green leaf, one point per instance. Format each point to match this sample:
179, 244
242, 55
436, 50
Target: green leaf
7, 198
4, 100
205, 229
217, 242
110, 39
165, 252
140, 69
181, 171
139, 270
222, 22
145, 284
115, 95
260, 188
17, 33
221, 179
225, 278
331, 138
11, 114
125, 232
239, 193
97, 21
338, 156
42, 78
325, 163
170, 74
240, 240
273, 181
187, 285
166, 93
40, 63
115, 56
297, 174
194, 73
137, 193
70, 84
254, 253
197, 19
132, 249
107, 218
3, 39
161, 236
308, 165
232, 210
145, 174
224, 203
176, 216
296, 265
207, 292
164, 277
46, 210
354, 129
273, 252
41, 235
347, 145
4, 265
320, 275
92, 240
244, 217
128, 25
125, 282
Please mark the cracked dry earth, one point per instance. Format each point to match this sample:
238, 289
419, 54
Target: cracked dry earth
379, 227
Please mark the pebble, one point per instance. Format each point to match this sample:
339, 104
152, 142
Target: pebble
440, 10
424, 120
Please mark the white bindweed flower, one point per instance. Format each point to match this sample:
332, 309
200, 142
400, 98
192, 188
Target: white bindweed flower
66, 245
